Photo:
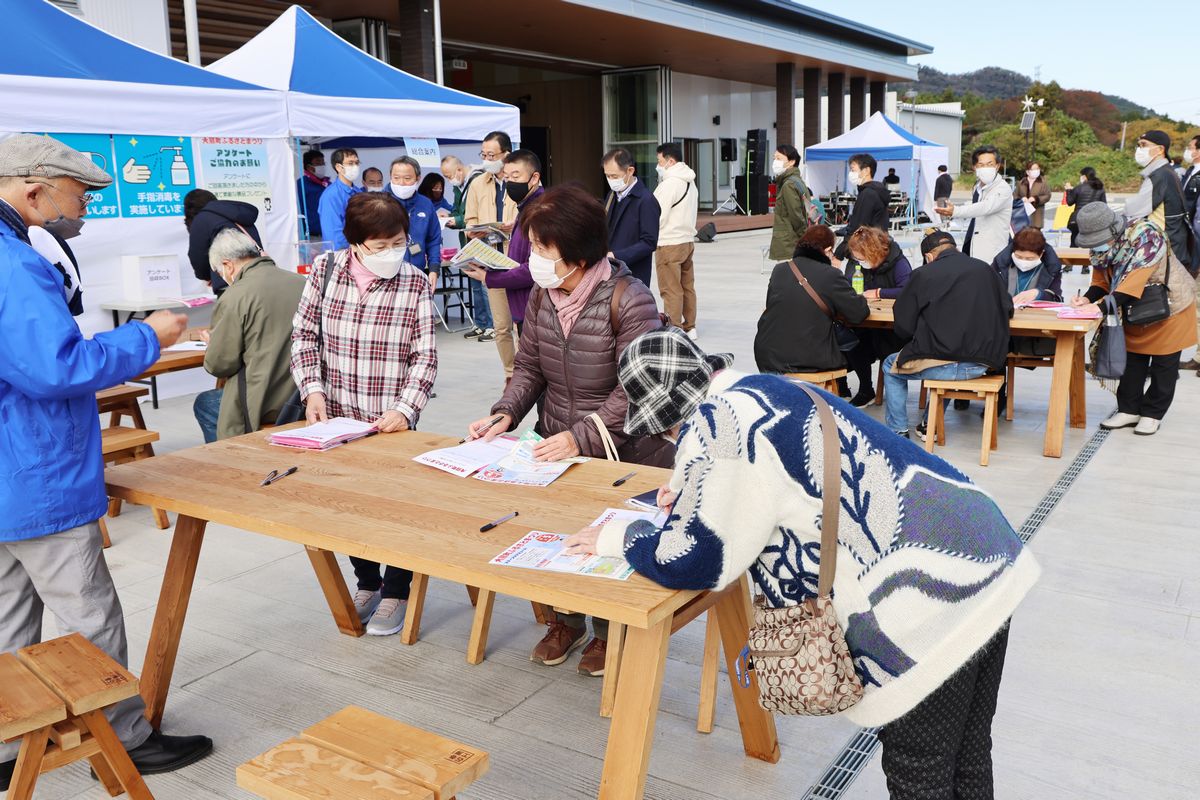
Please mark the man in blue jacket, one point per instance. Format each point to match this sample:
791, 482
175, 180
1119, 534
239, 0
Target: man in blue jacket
424, 228
51, 468
332, 205
632, 215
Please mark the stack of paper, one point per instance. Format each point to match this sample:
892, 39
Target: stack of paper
478, 253
469, 457
323, 435
1063, 310
506, 459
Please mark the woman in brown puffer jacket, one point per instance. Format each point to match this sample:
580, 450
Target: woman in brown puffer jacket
586, 311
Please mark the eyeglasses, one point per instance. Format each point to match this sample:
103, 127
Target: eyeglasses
82, 199
400, 245
494, 156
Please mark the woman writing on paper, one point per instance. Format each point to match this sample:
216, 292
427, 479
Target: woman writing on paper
586, 310
924, 607
363, 347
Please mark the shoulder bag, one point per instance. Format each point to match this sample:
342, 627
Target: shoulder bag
799, 652
294, 410
846, 339
1106, 353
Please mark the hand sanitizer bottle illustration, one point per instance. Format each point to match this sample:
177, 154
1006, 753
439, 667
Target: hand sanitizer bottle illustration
180, 174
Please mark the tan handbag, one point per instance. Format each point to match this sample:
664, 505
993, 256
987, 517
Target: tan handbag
799, 652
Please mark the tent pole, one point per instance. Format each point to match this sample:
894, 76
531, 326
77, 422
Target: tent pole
191, 27
437, 42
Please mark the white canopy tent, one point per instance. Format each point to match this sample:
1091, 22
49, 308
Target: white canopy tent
915, 160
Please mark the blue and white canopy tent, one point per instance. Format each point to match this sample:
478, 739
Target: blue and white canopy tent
915, 159
334, 89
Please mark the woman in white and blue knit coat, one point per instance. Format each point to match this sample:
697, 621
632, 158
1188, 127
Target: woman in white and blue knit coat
929, 570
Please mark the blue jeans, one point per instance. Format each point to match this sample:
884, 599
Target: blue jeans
895, 395
207, 408
481, 309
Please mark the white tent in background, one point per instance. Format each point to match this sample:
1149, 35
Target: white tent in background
915, 160
335, 89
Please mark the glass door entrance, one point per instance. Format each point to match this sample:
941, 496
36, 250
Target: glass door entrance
637, 114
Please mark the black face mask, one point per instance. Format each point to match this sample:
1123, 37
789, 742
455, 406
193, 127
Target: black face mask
517, 191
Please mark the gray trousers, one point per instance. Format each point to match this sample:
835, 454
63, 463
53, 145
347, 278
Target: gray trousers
66, 572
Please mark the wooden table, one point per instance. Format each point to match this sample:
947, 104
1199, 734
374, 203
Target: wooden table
1067, 381
1074, 256
169, 361
370, 499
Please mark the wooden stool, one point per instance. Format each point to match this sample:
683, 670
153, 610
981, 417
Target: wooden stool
826, 380
879, 387
52, 697
986, 388
357, 753
121, 445
1015, 361
122, 401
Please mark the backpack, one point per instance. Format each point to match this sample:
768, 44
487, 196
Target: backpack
814, 209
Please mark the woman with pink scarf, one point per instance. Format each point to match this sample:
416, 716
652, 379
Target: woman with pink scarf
585, 311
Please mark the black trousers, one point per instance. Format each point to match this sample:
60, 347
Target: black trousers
942, 749
1132, 395
861, 359
394, 582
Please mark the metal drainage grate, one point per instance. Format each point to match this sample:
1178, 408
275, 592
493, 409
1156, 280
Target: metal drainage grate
849, 763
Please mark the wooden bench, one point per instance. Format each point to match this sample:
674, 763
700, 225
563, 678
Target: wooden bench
826, 380
121, 445
986, 388
1014, 361
52, 697
122, 401
357, 753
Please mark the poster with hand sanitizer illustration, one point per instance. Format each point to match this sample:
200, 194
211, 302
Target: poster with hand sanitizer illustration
153, 174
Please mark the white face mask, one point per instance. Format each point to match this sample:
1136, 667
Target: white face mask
1025, 265
1142, 156
986, 175
660, 169
385, 264
1189, 156
374, 188
318, 170
855, 177
778, 167
350, 171
617, 185
455, 182
1033, 174
403, 192
541, 269
493, 167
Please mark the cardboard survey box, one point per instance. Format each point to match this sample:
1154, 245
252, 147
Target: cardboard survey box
151, 277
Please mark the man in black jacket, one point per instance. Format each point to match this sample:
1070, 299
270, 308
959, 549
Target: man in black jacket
632, 215
943, 187
955, 313
871, 205
203, 226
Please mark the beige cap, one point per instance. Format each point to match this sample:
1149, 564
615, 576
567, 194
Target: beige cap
26, 155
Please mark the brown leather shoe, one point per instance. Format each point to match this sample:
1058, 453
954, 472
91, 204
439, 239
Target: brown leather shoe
558, 643
592, 661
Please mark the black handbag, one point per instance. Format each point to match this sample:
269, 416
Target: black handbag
1155, 303
847, 339
294, 409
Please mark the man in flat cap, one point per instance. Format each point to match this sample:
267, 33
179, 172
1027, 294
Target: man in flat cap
51, 468
1161, 200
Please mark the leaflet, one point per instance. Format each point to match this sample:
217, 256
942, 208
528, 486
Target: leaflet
468, 457
542, 550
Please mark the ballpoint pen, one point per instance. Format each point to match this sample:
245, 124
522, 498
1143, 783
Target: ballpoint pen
494, 523
275, 475
624, 478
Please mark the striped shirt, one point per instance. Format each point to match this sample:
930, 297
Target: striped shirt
378, 351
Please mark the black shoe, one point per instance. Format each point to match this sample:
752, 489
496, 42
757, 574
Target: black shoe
474, 333
162, 753
863, 397
962, 405
6, 772
902, 434
1085, 271
1067, 270
487, 336
843, 389
921, 431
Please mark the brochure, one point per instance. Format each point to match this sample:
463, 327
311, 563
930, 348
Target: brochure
324, 435
542, 550
506, 459
468, 457
479, 253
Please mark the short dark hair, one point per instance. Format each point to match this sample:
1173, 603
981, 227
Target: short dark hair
670, 150
374, 215
623, 157
865, 160
312, 155
429, 181
502, 140
193, 201
891, 170
942, 168
1030, 240
371, 169
410, 161
341, 154
571, 220
788, 152
983, 150
1194, 141
525, 157
1029, 165
819, 237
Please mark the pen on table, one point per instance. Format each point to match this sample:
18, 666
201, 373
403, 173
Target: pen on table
624, 478
275, 475
496, 522
486, 428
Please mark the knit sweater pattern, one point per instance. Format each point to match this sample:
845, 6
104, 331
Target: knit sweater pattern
928, 567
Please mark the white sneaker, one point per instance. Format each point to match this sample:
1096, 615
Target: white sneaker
695, 337
1147, 426
1121, 420
365, 603
388, 618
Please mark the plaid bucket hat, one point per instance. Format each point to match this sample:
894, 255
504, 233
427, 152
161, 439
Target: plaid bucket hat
665, 376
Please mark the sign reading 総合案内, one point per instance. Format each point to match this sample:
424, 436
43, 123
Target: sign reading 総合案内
426, 151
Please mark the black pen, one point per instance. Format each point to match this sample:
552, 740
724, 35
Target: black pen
494, 523
624, 478
275, 475
491, 423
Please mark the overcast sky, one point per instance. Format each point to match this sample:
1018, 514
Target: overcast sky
1075, 43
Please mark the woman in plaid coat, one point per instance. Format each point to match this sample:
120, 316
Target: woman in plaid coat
363, 347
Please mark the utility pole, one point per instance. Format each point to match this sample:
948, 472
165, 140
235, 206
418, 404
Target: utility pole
1124, 127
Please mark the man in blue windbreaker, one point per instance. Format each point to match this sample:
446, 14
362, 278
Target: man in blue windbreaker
51, 468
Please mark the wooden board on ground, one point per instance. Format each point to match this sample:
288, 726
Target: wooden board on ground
300, 770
